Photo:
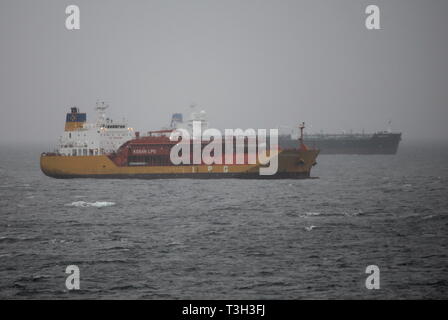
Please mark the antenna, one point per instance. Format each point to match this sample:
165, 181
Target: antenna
302, 145
101, 107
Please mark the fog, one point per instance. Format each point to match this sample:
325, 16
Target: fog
247, 63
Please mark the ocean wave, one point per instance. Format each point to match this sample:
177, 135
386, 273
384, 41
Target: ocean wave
309, 214
310, 228
312, 214
174, 243
16, 239
56, 241
97, 204
353, 213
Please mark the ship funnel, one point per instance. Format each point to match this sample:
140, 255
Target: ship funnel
74, 119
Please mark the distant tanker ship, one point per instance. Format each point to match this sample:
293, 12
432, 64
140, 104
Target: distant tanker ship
383, 142
108, 149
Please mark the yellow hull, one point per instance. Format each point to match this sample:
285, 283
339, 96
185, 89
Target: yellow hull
291, 164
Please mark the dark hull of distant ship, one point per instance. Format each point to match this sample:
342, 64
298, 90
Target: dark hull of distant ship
378, 143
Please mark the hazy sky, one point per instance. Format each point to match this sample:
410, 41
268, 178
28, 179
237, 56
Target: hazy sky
248, 63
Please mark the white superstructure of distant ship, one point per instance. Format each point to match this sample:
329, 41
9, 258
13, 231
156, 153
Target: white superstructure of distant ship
199, 117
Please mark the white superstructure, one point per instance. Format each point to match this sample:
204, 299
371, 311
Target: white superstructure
200, 117
86, 139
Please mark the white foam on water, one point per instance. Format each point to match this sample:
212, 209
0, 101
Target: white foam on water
174, 243
309, 214
100, 204
313, 214
97, 204
353, 213
309, 228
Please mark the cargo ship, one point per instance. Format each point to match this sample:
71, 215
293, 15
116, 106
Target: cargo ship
382, 142
108, 149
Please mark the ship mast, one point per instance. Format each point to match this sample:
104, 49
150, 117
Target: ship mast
302, 146
101, 109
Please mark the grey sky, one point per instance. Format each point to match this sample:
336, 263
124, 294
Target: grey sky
248, 63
